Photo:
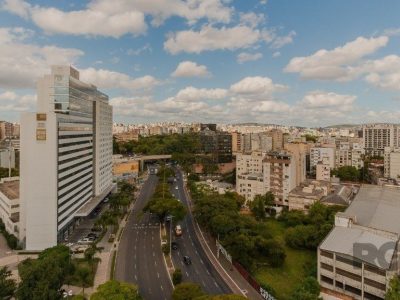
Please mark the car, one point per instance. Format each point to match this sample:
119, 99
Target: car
92, 235
176, 188
187, 260
178, 230
174, 246
84, 241
163, 242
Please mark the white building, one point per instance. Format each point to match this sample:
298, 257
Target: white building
318, 154
378, 136
392, 163
349, 152
66, 157
9, 204
7, 158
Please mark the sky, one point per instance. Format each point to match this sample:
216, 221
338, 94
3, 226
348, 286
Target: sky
306, 63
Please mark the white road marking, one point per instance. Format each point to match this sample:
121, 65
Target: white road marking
215, 283
158, 275
187, 274
154, 254
155, 263
208, 272
201, 261
135, 266
161, 287
135, 277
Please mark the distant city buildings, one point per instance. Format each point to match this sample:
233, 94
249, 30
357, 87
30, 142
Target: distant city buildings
66, 157
10, 205
216, 144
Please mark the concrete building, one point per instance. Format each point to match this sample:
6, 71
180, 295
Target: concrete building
323, 171
217, 144
307, 193
127, 136
277, 139
250, 185
6, 130
322, 154
349, 152
7, 158
392, 163
9, 204
360, 255
236, 142
299, 151
258, 141
378, 136
279, 172
249, 163
66, 157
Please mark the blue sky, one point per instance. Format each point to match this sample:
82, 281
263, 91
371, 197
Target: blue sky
309, 63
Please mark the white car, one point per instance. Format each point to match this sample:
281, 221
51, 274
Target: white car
84, 241
176, 188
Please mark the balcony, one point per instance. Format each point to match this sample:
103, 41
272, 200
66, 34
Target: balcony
349, 268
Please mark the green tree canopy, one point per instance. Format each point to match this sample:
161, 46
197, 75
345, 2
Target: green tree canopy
393, 292
7, 285
115, 290
187, 291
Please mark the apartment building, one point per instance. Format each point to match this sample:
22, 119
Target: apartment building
300, 153
9, 204
349, 152
7, 158
249, 178
66, 157
277, 139
392, 163
279, 172
360, 255
322, 154
378, 136
307, 193
260, 141
236, 142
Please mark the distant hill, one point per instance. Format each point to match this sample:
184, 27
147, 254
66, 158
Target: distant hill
343, 126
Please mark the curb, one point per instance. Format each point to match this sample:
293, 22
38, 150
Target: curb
165, 262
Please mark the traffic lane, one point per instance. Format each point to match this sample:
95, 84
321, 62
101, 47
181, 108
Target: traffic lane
197, 271
132, 263
190, 227
203, 272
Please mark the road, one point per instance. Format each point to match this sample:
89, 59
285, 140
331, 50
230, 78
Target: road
139, 259
200, 271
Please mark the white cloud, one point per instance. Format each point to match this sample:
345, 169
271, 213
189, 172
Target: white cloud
257, 87
117, 18
276, 54
383, 73
321, 99
190, 69
12, 102
391, 32
251, 19
245, 56
211, 38
271, 107
106, 79
335, 64
192, 94
21, 63
281, 41
145, 48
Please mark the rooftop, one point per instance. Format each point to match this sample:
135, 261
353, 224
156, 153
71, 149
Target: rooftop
377, 207
10, 189
317, 188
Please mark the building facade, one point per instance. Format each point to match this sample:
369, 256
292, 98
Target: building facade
360, 255
378, 136
10, 204
392, 163
66, 157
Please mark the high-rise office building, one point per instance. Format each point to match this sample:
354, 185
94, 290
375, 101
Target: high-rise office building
66, 157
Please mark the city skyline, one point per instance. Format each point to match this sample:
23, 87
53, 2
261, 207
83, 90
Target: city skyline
211, 61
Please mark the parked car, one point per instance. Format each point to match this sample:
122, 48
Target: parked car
178, 230
93, 235
174, 245
84, 241
187, 260
163, 242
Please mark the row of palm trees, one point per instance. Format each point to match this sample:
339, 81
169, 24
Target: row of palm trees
118, 205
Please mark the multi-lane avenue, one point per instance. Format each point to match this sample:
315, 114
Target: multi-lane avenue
139, 257
200, 270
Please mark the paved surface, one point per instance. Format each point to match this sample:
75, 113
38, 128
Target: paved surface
201, 271
139, 256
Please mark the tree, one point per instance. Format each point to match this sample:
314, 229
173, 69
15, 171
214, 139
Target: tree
177, 276
7, 285
257, 207
42, 278
116, 290
309, 289
187, 291
393, 292
83, 277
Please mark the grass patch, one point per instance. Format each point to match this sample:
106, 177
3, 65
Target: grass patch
78, 263
285, 279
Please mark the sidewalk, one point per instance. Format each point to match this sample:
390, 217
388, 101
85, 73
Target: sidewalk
228, 272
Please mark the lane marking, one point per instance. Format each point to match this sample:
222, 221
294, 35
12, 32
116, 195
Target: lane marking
201, 261
158, 275
187, 274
